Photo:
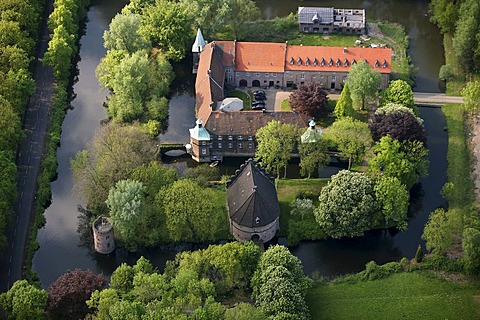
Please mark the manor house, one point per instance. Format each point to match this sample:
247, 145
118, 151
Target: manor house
219, 133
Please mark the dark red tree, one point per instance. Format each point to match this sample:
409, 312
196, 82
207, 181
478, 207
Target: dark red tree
67, 295
400, 126
309, 99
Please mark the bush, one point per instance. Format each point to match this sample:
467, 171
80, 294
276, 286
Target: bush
374, 271
419, 254
445, 73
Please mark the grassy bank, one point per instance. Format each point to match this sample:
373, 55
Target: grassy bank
458, 158
457, 79
294, 227
400, 296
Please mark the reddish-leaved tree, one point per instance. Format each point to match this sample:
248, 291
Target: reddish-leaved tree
400, 126
67, 295
309, 99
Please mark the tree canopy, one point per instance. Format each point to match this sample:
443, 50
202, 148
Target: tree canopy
123, 34
351, 137
347, 205
313, 156
363, 83
443, 230
344, 106
471, 96
399, 92
393, 200
24, 301
276, 142
310, 99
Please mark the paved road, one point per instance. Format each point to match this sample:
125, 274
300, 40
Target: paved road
424, 98
28, 162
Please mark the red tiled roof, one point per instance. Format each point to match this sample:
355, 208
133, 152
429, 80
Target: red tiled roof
260, 57
248, 122
340, 60
228, 51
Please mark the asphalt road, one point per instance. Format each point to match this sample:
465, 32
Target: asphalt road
28, 163
424, 98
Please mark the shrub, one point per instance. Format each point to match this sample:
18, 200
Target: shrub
419, 254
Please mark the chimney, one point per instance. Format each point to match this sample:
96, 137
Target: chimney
345, 50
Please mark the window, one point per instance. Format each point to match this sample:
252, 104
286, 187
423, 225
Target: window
230, 78
330, 62
302, 76
220, 145
240, 145
250, 138
345, 63
274, 75
322, 77
338, 62
354, 62
322, 62
292, 61
230, 138
250, 145
384, 64
219, 138
238, 74
299, 61
204, 151
240, 138
229, 70
266, 75
203, 143
307, 62
257, 74
107, 237
248, 74
315, 62
230, 145
377, 64
334, 78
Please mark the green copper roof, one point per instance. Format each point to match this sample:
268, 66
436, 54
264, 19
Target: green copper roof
199, 133
311, 134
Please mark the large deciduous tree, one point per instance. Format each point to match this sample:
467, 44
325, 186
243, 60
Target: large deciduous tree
166, 24
123, 34
351, 137
347, 205
115, 151
309, 99
126, 203
471, 250
363, 82
392, 198
400, 126
24, 301
466, 40
399, 92
443, 230
471, 96
344, 106
444, 14
67, 295
313, 156
191, 214
11, 133
276, 142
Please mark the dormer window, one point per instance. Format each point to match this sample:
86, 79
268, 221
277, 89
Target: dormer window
307, 62
354, 62
330, 62
345, 63
377, 64
292, 61
299, 61
322, 62
315, 62
338, 63
384, 64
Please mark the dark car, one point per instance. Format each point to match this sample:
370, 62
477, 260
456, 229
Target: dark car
260, 95
258, 105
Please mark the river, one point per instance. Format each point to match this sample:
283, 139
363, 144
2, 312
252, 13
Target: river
61, 247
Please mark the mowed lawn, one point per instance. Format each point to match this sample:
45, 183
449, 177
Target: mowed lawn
400, 296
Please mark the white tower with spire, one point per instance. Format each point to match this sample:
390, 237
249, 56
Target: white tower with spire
197, 49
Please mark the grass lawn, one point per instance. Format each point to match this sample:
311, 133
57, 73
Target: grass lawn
458, 158
400, 296
286, 105
245, 97
295, 228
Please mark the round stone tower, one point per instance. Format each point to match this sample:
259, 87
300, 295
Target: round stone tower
103, 235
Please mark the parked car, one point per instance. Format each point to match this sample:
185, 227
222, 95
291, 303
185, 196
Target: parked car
259, 95
258, 107
259, 92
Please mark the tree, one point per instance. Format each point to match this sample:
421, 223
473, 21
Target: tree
399, 92
191, 214
443, 230
465, 41
125, 202
276, 142
363, 82
115, 151
60, 51
419, 254
399, 126
166, 24
351, 137
244, 311
67, 295
123, 34
8, 194
393, 199
344, 106
444, 14
407, 162
154, 176
24, 301
309, 99
236, 13
471, 96
471, 250
11, 133
122, 278
347, 205
202, 174
313, 156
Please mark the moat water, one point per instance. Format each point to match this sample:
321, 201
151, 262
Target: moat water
61, 244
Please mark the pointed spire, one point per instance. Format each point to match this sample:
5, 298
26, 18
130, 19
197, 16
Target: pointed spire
199, 42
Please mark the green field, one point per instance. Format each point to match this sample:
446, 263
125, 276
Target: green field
400, 296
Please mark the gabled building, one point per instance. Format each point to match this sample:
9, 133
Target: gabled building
224, 132
253, 206
331, 20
